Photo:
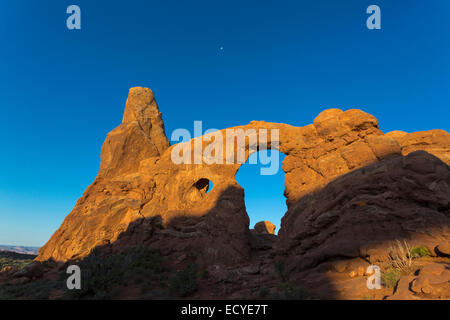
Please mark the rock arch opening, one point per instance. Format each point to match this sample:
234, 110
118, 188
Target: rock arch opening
198, 191
204, 185
264, 194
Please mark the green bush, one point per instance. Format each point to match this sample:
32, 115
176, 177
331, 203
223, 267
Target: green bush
37, 290
390, 278
102, 274
12, 259
419, 252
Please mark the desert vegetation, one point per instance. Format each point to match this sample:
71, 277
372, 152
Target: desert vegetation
402, 261
14, 260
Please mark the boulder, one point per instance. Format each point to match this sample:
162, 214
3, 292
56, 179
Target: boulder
443, 249
265, 227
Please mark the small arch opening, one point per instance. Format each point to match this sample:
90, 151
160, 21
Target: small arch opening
198, 191
264, 193
204, 185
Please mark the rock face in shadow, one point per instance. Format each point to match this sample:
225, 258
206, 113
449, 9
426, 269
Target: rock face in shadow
359, 212
349, 189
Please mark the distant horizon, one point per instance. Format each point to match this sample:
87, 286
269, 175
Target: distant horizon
18, 245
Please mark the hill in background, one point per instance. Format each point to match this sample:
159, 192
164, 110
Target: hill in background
20, 249
13, 259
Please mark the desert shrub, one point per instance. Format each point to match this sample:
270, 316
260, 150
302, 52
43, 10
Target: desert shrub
102, 274
400, 258
390, 278
184, 282
36, 290
12, 259
419, 252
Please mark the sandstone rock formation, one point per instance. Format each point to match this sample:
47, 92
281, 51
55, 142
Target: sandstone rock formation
350, 189
140, 136
265, 227
434, 141
137, 181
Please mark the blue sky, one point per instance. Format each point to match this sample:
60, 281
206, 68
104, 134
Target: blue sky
62, 91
